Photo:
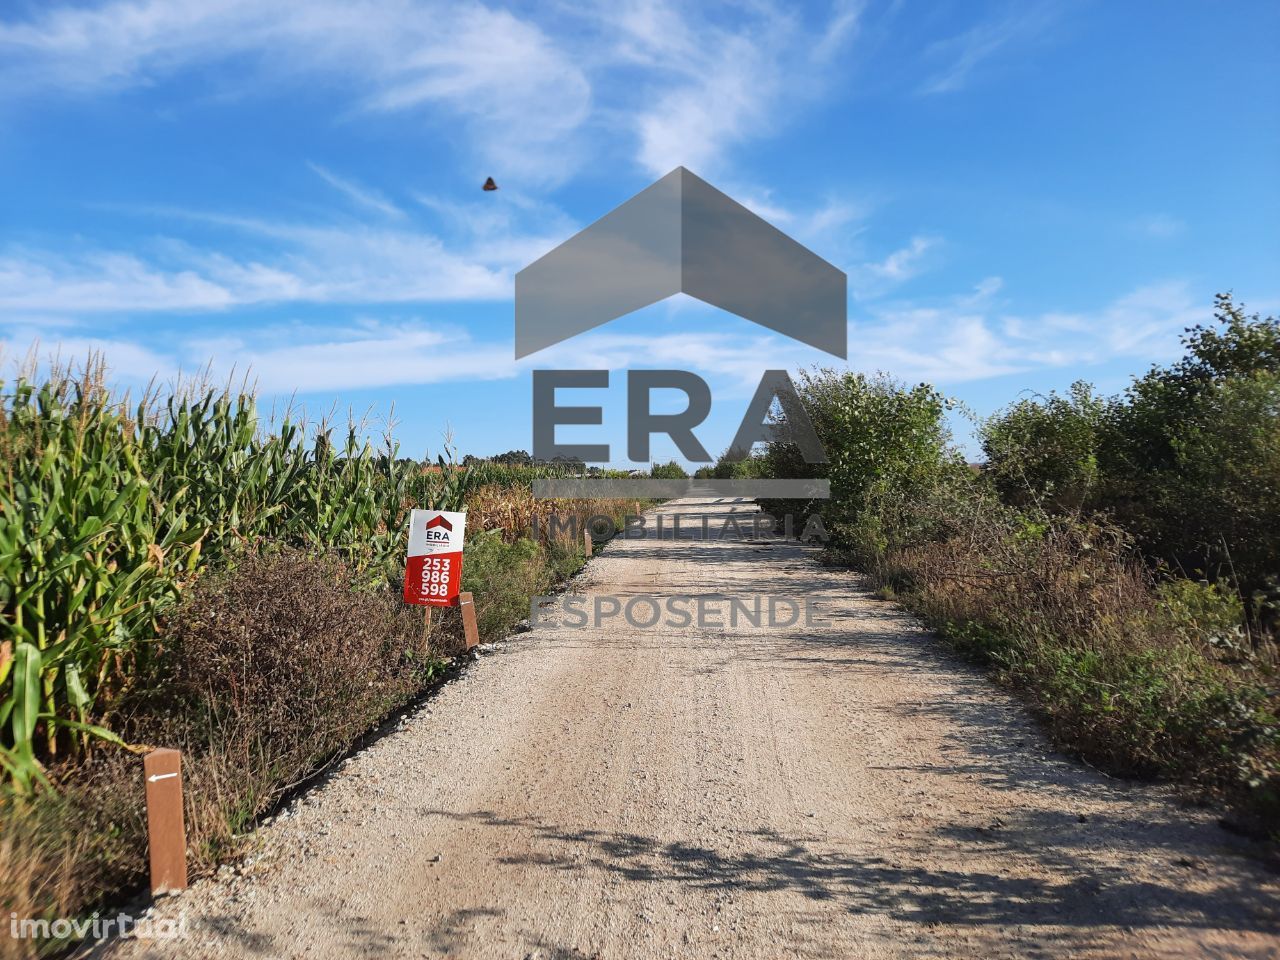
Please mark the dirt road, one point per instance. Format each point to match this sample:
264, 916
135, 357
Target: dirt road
837, 790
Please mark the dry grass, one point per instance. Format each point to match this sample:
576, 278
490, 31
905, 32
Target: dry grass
516, 512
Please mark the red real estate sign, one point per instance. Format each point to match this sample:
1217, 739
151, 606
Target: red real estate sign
433, 574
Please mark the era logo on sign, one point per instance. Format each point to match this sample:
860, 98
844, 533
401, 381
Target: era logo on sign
438, 529
433, 572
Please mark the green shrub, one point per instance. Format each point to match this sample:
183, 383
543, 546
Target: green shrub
885, 443
1199, 611
1045, 450
1187, 459
503, 576
750, 468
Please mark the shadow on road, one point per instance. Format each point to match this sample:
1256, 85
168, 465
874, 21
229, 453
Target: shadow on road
1084, 897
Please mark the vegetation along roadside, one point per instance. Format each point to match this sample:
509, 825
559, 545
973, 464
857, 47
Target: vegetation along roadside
1115, 559
184, 572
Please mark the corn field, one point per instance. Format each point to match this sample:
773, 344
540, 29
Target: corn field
108, 511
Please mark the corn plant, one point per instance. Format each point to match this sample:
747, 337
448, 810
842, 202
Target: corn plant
107, 513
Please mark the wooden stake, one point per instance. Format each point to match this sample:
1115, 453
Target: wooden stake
426, 627
166, 832
586, 542
469, 627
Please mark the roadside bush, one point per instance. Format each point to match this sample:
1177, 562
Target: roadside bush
273, 668
1193, 453
1202, 611
1187, 459
503, 576
1045, 450
62, 852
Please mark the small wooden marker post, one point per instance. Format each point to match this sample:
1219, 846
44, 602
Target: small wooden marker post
467, 604
587, 545
166, 833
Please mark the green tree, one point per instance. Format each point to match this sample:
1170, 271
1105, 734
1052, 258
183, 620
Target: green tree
1191, 455
668, 471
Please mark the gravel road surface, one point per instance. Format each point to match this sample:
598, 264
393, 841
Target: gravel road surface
836, 789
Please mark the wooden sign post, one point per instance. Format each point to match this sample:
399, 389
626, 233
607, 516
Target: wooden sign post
586, 542
467, 604
166, 832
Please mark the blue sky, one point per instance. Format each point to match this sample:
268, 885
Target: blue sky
1023, 194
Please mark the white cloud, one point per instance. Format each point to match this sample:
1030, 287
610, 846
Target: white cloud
905, 263
315, 264
960, 339
966, 338
874, 278
129, 362
360, 357
37, 281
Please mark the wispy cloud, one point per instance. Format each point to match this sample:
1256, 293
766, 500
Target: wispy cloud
342, 260
502, 78
364, 196
40, 281
313, 265
904, 263
529, 89
708, 86
961, 55
876, 277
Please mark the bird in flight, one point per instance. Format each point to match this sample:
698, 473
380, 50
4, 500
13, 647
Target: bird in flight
489, 184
